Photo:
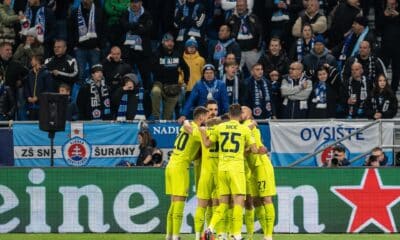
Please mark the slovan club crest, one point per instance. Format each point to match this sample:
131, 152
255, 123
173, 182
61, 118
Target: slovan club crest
77, 152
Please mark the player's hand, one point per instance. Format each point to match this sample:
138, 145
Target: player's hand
187, 127
181, 119
262, 150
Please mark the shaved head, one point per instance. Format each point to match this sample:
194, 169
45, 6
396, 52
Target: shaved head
246, 113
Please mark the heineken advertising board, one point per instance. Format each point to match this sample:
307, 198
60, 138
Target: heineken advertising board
132, 200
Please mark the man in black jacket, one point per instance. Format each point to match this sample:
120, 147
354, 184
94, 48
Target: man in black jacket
168, 63
125, 99
63, 67
114, 68
137, 24
86, 28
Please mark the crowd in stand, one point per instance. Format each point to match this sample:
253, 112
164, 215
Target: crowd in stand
159, 59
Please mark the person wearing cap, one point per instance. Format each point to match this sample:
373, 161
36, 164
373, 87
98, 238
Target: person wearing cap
318, 56
195, 63
351, 43
207, 88
62, 66
7, 20
190, 21
86, 34
168, 64
125, 99
30, 47
93, 99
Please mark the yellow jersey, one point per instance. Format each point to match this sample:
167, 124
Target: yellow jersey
186, 146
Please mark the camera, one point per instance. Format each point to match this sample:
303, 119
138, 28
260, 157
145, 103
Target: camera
334, 161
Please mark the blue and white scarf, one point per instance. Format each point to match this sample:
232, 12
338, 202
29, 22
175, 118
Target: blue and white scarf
220, 54
233, 91
85, 32
320, 98
211, 90
261, 99
346, 46
363, 97
39, 23
279, 15
302, 48
123, 107
244, 32
134, 40
194, 32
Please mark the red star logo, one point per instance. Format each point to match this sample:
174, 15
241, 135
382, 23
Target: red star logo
371, 202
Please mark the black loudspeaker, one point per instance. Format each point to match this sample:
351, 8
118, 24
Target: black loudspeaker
52, 113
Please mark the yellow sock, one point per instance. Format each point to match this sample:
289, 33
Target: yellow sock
177, 216
218, 215
260, 215
269, 219
249, 221
237, 220
209, 214
169, 219
199, 219
228, 221
220, 226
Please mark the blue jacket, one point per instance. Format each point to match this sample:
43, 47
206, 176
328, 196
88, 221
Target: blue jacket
198, 96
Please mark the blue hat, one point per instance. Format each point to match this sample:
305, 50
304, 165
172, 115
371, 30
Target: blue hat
319, 39
191, 42
167, 37
208, 67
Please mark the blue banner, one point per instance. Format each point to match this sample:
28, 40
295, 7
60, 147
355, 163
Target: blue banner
6, 147
81, 144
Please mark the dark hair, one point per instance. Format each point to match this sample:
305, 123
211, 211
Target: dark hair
39, 58
211, 101
386, 90
198, 111
307, 25
147, 139
3, 44
339, 148
235, 110
66, 86
257, 64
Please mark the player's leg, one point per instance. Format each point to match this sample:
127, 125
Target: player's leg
238, 188
259, 213
168, 190
249, 216
177, 215
269, 217
199, 217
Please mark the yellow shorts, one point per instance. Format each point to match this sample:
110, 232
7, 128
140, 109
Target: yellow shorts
265, 178
231, 183
207, 185
177, 180
251, 183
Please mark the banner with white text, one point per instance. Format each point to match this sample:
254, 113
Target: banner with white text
291, 141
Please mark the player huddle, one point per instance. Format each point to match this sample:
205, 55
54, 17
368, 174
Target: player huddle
232, 172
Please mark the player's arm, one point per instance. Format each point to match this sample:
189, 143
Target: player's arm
187, 127
205, 139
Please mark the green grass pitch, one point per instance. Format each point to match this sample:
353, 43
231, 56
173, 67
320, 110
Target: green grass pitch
190, 236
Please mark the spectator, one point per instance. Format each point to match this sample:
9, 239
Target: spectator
339, 158
295, 89
168, 63
114, 10
303, 45
86, 28
214, 20
324, 95
8, 104
390, 38
63, 67
276, 95
146, 149
235, 85
342, 21
260, 100
30, 47
137, 24
8, 19
383, 102
42, 19
37, 81
275, 59
114, 68
226, 44
229, 6
372, 65
61, 9
190, 21
72, 109
318, 56
93, 99
247, 30
313, 16
125, 99
12, 73
280, 20
356, 92
206, 89
195, 63
351, 44
377, 158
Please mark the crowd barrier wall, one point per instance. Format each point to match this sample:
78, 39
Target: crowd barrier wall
104, 200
